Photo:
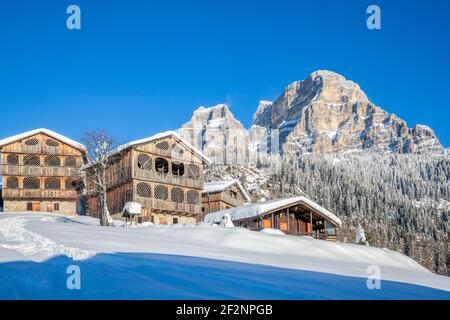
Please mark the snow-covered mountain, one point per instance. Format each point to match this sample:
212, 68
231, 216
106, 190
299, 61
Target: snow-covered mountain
327, 113
218, 134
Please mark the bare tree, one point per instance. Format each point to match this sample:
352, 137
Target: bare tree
99, 145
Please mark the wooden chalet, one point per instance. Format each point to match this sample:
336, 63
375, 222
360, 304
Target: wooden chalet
294, 216
163, 173
40, 169
221, 195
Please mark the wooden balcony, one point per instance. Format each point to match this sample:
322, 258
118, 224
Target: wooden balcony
225, 197
14, 170
39, 194
167, 178
41, 149
169, 206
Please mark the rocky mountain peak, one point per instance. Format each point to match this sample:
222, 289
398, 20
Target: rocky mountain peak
327, 113
216, 131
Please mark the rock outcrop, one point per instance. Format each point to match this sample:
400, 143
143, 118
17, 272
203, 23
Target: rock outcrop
327, 113
218, 134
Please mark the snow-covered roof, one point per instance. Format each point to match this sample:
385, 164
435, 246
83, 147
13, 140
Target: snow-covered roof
161, 136
48, 132
219, 186
266, 207
132, 208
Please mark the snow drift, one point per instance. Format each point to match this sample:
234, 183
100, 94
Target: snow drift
39, 237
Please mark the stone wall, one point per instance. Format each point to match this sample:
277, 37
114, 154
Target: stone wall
65, 207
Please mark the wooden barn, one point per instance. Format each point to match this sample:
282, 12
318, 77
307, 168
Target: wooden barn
298, 216
163, 173
39, 170
221, 195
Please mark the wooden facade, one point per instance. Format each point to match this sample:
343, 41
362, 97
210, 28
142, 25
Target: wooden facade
222, 195
164, 175
296, 216
39, 171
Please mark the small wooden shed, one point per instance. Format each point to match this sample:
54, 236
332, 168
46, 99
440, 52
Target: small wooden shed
298, 216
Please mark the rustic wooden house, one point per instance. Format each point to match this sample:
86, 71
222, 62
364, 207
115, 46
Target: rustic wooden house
163, 173
221, 195
294, 216
39, 171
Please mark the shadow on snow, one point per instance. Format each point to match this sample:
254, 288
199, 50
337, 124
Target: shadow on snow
157, 276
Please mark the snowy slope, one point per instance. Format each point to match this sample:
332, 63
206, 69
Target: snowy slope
46, 240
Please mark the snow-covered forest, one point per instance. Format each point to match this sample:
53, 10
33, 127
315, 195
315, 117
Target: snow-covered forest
402, 201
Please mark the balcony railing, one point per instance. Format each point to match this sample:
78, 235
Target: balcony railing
39, 193
167, 178
15, 170
41, 149
229, 199
169, 206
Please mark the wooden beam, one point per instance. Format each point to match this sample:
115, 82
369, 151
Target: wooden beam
287, 212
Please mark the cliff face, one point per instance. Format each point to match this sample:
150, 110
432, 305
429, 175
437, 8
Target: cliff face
218, 134
327, 113
323, 114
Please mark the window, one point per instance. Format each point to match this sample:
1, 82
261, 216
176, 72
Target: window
70, 184
31, 183
177, 195
175, 220
12, 159
144, 162
164, 145
177, 168
71, 162
52, 184
161, 165
12, 183
144, 190
161, 192
52, 161
177, 151
31, 160
32, 142
56, 206
29, 206
192, 197
193, 171
233, 194
52, 143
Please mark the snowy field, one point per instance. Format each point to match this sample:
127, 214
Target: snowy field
194, 262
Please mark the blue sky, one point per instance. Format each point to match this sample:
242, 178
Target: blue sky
140, 67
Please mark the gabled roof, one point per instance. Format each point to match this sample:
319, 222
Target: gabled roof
267, 207
161, 136
48, 132
219, 186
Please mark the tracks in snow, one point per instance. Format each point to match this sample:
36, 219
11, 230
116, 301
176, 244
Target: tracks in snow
30, 243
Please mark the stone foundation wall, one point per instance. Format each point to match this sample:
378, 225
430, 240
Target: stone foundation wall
65, 207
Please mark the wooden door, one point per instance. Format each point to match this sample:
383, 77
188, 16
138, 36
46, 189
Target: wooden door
162, 220
36, 207
50, 207
293, 225
146, 214
302, 227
